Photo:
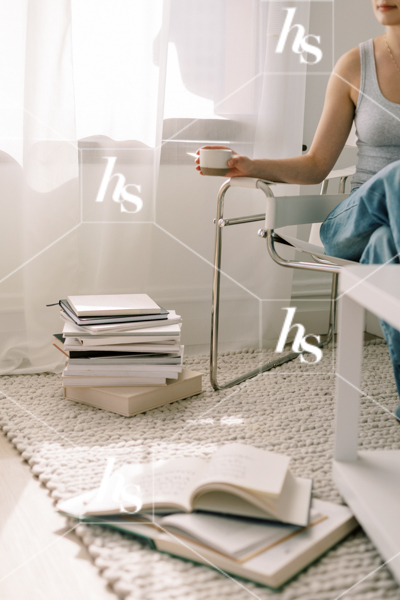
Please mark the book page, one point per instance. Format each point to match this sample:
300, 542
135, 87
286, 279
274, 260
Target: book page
232, 536
171, 482
293, 506
138, 487
228, 503
247, 467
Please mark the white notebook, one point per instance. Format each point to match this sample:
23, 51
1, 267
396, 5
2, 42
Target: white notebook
113, 305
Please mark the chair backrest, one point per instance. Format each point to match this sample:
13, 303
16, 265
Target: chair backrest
284, 211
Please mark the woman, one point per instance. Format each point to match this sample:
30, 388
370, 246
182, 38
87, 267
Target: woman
364, 87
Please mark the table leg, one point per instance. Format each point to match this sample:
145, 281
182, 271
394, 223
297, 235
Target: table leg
350, 348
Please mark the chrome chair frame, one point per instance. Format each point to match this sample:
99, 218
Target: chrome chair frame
271, 238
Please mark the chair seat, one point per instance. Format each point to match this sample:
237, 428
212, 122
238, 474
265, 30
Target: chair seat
314, 250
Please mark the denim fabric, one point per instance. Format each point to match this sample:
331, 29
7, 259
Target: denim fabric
366, 228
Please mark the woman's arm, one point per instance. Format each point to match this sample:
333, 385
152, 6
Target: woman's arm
329, 140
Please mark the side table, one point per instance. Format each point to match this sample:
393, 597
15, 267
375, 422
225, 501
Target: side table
369, 481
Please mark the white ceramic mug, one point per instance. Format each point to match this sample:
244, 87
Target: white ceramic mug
213, 161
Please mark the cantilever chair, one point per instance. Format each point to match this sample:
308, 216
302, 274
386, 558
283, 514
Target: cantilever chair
280, 212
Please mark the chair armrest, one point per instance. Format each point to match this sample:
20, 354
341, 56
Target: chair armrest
299, 210
248, 182
284, 210
251, 182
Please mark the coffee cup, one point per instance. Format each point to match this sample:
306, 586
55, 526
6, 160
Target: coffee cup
213, 161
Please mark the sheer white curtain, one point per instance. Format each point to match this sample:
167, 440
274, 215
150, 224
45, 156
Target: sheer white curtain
38, 178
100, 103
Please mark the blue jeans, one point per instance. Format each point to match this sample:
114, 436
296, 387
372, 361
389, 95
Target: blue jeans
366, 228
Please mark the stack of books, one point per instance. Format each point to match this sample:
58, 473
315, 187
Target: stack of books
224, 515
119, 342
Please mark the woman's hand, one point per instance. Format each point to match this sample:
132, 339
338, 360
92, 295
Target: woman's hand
240, 166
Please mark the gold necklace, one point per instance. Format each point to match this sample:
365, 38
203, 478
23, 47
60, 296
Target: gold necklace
390, 52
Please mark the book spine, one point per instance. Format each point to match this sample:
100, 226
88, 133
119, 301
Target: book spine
113, 381
117, 374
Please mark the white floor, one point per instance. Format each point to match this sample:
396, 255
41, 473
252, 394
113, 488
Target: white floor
39, 560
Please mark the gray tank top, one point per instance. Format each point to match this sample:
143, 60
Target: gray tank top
377, 122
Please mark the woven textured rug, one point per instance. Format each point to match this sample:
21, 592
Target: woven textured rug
288, 410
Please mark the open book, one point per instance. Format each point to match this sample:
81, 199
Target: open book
237, 480
263, 551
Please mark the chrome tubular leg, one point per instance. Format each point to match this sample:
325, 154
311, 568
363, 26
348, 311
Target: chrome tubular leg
315, 266
216, 288
255, 372
342, 184
324, 187
215, 312
335, 278
332, 312
219, 226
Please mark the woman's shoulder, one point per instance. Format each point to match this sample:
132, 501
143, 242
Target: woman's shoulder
348, 69
349, 64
